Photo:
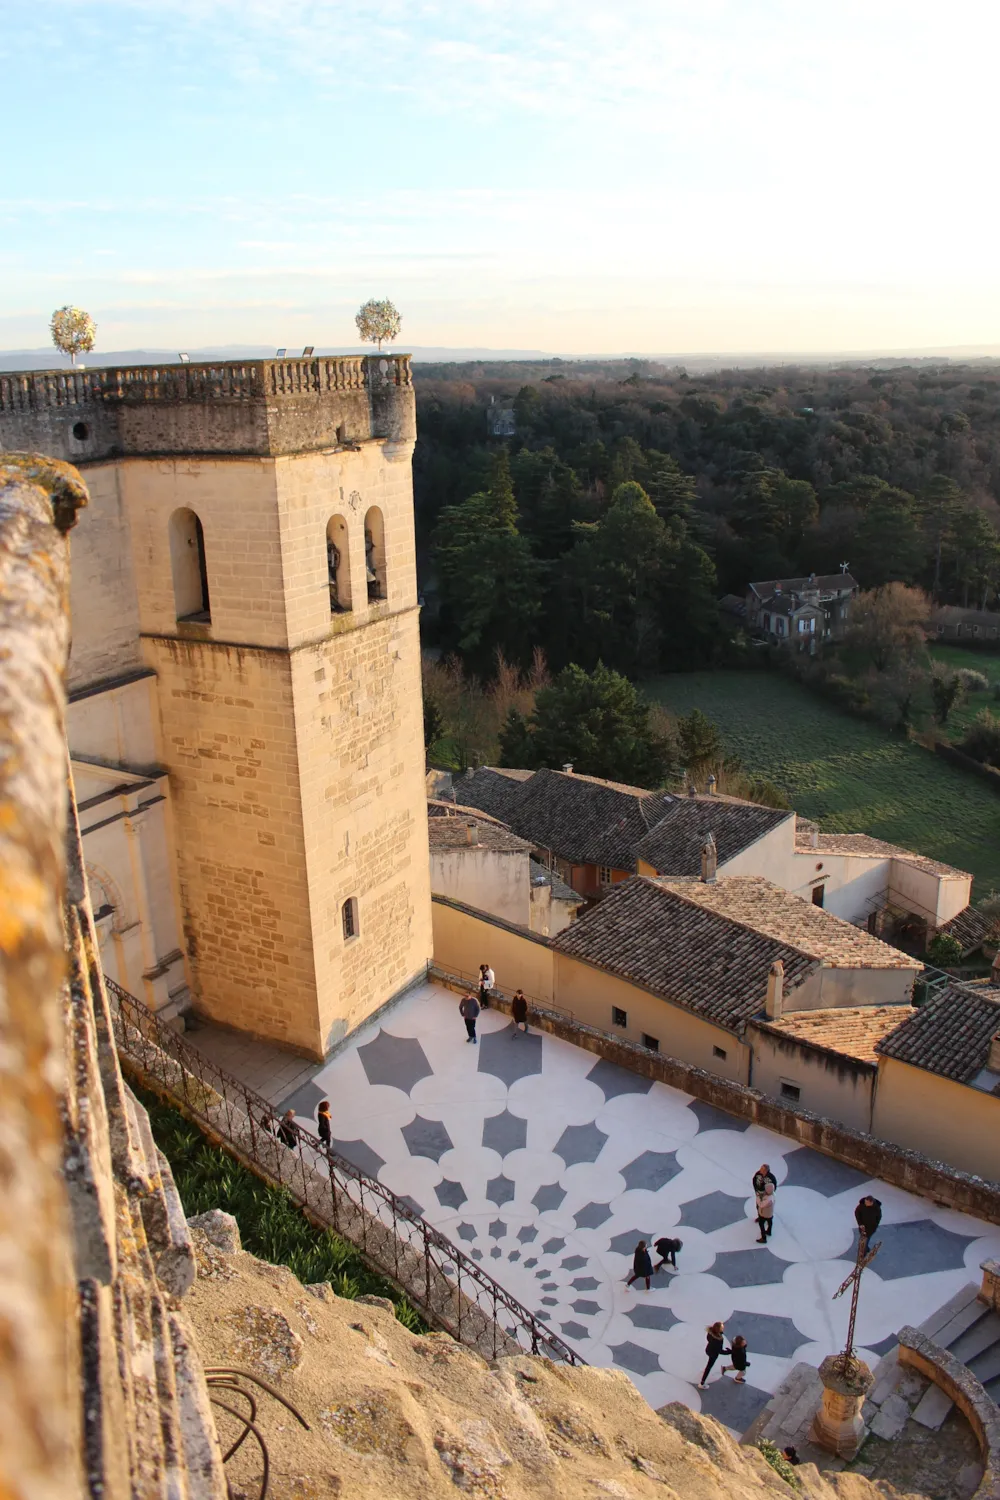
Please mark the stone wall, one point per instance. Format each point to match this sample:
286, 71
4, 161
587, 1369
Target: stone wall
101, 1392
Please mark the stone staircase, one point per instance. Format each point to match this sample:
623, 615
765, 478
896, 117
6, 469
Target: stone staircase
970, 1330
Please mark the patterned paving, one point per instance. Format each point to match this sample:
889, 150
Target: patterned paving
548, 1165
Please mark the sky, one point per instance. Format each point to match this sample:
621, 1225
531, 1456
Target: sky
578, 176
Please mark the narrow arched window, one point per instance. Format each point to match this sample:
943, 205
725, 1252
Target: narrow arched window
338, 565
375, 554
189, 567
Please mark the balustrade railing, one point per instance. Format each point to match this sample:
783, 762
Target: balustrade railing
449, 1288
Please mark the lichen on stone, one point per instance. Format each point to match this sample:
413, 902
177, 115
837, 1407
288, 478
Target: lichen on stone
372, 1424
265, 1340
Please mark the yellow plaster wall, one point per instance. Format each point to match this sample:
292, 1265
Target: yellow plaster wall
828, 1087
945, 1120
462, 942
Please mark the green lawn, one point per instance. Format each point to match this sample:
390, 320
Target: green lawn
980, 661
851, 776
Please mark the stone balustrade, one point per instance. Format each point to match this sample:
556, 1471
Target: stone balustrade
917, 1352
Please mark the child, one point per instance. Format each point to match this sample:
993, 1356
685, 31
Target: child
323, 1122
738, 1354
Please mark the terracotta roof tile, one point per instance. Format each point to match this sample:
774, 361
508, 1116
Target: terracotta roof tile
971, 927
862, 846
452, 833
950, 1034
754, 902
674, 845
852, 1031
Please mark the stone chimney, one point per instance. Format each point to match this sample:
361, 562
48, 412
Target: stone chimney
691, 789
993, 1061
568, 768
710, 785
775, 991
472, 833
709, 860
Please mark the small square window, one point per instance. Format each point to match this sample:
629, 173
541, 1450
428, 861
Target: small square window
652, 1042
719, 1052
619, 1017
791, 1092
349, 917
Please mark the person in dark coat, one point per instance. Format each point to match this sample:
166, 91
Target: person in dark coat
715, 1345
666, 1249
791, 1454
764, 1180
738, 1355
468, 1009
288, 1131
868, 1215
323, 1122
642, 1265
519, 1012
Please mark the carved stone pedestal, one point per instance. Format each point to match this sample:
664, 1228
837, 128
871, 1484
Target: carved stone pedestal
837, 1426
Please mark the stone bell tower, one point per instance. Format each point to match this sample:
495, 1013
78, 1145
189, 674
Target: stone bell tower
263, 514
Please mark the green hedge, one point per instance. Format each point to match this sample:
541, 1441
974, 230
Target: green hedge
272, 1226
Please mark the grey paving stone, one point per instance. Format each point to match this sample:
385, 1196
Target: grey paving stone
766, 1333
573, 1262
505, 1133
593, 1215
811, 1169
507, 1059
498, 1229
647, 1316
549, 1197
652, 1170
531, 1261
549, 1301
450, 1194
399, 1061
412, 1203
551, 1246
514, 1255
550, 1286
304, 1100
585, 1283
713, 1211
914, 1248
426, 1138
734, 1405
892, 1418
495, 1253
477, 1255
587, 1309
756, 1267
527, 1234
625, 1243
500, 1190
613, 1080
710, 1118
360, 1155
634, 1357
466, 1232
573, 1330
580, 1143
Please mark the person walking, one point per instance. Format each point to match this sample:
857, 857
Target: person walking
764, 1180
323, 1122
715, 1344
468, 1009
487, 979
765, 1216
642, 1265
868, 1215
519, 1012
666, 1249
738, 1355
288, 1131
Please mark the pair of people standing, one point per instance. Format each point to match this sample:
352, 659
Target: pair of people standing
764, 1187
715, 1346
469, 1009
642, 1261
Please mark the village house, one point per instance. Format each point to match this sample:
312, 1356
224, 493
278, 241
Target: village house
799, 612
973, 627
476, 859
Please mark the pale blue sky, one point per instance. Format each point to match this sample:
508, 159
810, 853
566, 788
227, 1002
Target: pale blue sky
576, 176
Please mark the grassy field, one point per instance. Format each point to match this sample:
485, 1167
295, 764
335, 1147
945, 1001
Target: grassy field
980, 661
851, 776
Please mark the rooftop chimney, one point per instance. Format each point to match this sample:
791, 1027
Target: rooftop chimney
691, 789
709, 861
711, 785
993, 1060
775, 990
568, 768
471, 833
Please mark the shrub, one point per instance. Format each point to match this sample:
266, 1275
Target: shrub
973, 681
779, 1463
982, 739
944, 950
846, 694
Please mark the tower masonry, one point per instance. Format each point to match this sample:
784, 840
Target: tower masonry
245, 682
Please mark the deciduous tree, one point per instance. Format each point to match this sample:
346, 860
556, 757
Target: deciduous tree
378, 322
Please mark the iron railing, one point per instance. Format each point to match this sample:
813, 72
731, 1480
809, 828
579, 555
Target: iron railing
449, 1288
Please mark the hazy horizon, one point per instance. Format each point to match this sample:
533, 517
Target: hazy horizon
637, 177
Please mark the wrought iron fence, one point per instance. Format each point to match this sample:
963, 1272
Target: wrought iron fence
450, 1289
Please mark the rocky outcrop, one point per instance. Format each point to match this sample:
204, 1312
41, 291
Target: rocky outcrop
395, 1414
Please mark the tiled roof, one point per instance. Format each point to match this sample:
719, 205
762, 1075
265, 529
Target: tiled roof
648, 933
439, 807
560, 890
954, 614
753, 902
971, 927
674, 846
950, 1035
452, 833
827, 583
583, 819
852, 1031
863, 847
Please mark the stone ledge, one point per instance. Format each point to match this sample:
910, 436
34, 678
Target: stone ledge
917, 1352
